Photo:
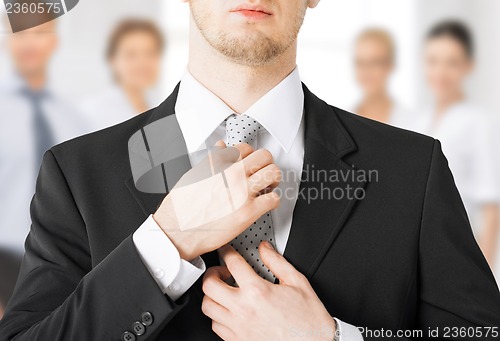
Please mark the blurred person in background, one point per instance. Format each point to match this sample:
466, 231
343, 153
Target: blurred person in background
375, 55
33, 118
466, 132
134, 54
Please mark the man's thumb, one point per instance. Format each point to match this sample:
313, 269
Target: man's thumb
220, 144
278, 265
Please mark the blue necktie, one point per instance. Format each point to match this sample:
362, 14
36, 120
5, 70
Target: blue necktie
43, 137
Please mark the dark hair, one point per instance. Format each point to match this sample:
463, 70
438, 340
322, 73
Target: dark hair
456, 30
130, 26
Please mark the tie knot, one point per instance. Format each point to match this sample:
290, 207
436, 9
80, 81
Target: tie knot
34, 96
241, 129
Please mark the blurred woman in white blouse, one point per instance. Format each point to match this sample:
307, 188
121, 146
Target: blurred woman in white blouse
134, 55
466, 131
374, 64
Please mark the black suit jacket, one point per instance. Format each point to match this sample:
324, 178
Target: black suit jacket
403, 257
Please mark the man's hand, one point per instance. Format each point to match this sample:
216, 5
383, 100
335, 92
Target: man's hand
251, 189
258, 309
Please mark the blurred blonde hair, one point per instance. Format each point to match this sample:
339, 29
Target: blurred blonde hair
380, 36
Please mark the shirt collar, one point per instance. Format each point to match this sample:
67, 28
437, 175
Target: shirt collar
199, 111
15, 85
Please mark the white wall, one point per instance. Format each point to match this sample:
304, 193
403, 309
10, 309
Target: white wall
176, 18
485, 85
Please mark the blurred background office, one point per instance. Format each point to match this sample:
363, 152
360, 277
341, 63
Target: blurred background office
110, 60
33, 117
375, 60
133, 53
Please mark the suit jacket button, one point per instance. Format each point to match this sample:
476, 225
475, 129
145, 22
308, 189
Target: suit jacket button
128, 336
138, 328
147, 318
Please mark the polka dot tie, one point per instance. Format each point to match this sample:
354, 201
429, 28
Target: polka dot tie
244, 129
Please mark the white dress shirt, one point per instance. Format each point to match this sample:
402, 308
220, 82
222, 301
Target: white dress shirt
468, 137
18, 170
200, 114
111, 107
399, 116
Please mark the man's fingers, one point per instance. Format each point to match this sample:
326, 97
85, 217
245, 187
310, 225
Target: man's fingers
219, 272
265, 203
223, 332
215, 286
279, 266
257, 160
220, 144
245, 149
214, 310
238, 267
267, 177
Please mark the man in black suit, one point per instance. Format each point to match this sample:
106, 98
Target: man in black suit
376, 235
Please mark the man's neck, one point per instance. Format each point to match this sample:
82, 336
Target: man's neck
136, 97
445, 102
35, 80
378, 99
376, 106
239, 86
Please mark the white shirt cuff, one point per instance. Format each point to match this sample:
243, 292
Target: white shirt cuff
173, 275
348, 332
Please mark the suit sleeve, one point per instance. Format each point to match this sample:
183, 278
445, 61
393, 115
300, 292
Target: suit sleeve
457, 290
59, 296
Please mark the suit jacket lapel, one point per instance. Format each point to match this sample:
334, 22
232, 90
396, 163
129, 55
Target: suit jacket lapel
149, 202
323, 205
327, 190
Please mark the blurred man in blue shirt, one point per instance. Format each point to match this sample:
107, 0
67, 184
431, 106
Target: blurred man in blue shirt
32, 119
